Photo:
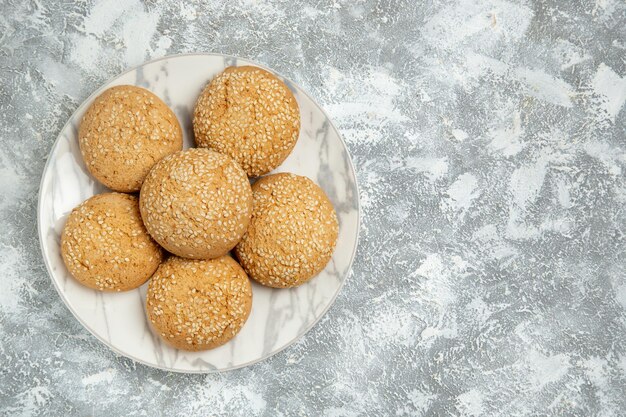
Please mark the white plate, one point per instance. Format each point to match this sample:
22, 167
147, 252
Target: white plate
278, 317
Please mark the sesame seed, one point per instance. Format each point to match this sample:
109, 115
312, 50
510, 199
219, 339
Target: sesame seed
102, 232
250, 115
184, 200
286, 243
207, 308
117, 133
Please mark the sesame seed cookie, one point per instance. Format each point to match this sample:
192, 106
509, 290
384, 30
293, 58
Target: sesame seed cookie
125, 131
196, 203
292, 233
250, 115
198, 304
105, 245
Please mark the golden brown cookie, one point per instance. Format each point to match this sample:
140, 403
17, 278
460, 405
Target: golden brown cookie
198, 304
250, 115
105, 245
196, 203
124, 132
292, 233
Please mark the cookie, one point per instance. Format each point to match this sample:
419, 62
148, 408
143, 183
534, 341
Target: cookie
292, 233
105, 245
196, 203
124, 132
198, 304
250, 115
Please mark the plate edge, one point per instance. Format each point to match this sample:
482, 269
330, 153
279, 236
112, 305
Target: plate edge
89, 99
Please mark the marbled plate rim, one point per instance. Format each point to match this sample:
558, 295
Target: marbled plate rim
84, 104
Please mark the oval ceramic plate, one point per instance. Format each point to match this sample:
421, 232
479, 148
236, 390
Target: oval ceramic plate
278, 317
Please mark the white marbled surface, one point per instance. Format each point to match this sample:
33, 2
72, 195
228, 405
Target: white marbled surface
489, 143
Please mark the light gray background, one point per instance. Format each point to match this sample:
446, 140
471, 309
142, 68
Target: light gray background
490, 143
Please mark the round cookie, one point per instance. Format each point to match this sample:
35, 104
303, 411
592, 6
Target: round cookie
292, 233
196, 203
124, 132
250, 115
198, 304
105, 245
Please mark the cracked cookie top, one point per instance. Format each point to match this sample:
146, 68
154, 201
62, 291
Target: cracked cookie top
250, 115
124, 132
196, 203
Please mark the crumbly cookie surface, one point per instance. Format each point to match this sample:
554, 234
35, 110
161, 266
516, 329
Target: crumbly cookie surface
196, 203
250, 115
292, 233
105, 245
198, 304
124, 132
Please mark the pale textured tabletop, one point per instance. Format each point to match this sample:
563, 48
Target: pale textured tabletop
490, 144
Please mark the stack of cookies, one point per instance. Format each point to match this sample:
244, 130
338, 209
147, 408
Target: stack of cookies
195, 206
